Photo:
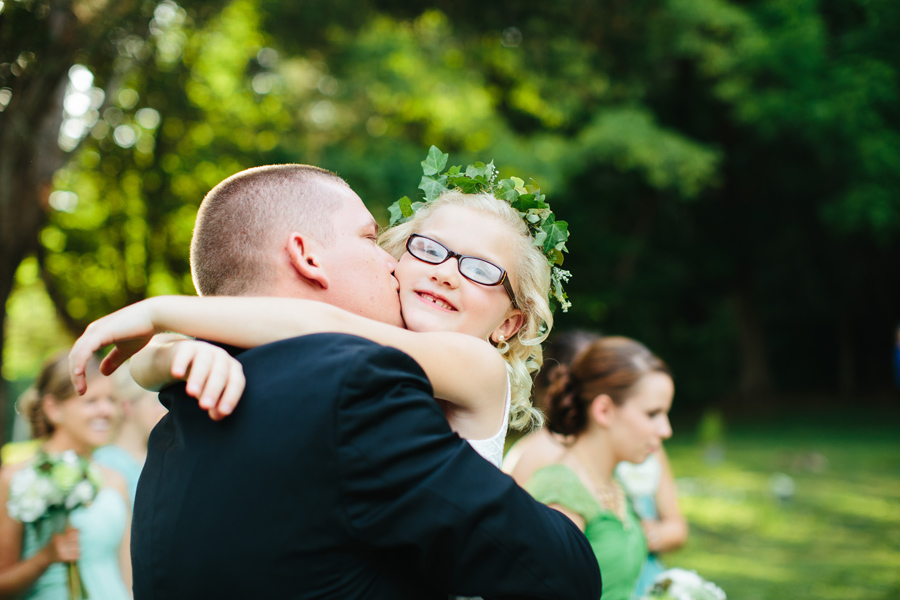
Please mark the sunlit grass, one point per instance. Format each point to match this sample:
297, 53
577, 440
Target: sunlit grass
836, 536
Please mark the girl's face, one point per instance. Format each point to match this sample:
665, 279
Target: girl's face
85, 422
639, 426
439, 298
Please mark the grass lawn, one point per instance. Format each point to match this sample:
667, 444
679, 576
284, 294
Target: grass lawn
794, 510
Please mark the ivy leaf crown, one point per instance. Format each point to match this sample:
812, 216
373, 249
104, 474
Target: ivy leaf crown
547, 233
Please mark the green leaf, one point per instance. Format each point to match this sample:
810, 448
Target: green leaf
489, 170
507, 190
454, 170
473, 171
395, 211
557, 234
527, 202
556, 257
405, 206
433, 187
435, 162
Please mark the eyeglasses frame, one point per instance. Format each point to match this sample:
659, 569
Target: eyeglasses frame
504, 277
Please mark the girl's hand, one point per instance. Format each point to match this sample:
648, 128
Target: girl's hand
130, 329
213, 376
63, 547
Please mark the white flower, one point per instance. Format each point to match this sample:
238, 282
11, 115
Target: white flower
680, 584
82, 493
21, 481
27, 509
29, 496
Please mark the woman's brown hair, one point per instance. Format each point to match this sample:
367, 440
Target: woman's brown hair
54, 381
611, 366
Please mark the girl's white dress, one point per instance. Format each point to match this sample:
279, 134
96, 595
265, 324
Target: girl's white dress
492, 448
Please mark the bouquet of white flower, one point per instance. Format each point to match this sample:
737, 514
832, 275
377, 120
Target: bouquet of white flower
678, 584
47, 491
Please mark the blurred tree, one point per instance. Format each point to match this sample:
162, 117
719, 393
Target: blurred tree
52, 52
729, 169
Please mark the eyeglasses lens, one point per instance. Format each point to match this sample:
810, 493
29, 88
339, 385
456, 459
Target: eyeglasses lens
476, 269
479, 271
427, 250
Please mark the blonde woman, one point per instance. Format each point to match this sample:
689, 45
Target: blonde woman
31, 561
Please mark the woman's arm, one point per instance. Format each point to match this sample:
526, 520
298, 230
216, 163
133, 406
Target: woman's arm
463, 370
671, 530
577, 519
18, 575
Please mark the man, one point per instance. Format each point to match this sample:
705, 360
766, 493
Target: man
338, 477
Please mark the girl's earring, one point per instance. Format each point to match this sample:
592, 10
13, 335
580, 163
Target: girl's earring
502, 345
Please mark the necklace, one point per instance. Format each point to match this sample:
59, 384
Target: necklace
609, 494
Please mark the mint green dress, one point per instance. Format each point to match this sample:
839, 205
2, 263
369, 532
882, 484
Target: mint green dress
118, 459
100, 529
620, 548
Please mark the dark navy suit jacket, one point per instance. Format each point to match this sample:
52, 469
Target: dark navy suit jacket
338, 477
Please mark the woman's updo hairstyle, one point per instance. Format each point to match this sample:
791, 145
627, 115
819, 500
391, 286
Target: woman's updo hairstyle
559, 351
54, 381
611, 366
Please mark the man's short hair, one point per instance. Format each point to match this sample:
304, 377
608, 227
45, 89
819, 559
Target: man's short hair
243, 221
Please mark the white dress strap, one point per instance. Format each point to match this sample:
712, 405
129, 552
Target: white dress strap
492, 448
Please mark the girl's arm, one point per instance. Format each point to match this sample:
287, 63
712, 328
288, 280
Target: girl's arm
18, 575
463, 370
671, 530
212, 375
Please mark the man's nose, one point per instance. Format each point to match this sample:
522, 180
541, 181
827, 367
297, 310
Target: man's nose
389, 260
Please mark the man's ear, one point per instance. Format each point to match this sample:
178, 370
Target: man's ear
509, 327
304, 258
602, 409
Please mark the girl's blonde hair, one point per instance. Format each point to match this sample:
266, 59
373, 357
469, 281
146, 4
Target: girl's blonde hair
531, 284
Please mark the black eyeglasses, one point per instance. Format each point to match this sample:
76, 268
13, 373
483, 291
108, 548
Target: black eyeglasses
471, 267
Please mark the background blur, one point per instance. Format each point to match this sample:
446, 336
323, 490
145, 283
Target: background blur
730, 172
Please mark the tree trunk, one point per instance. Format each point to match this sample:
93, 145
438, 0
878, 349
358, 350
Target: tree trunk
30, 155
846, 362
754, 370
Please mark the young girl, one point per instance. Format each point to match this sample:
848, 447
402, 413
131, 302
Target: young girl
31, 559
468, 264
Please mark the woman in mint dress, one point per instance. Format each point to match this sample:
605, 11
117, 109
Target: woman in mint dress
613, 402
32, 562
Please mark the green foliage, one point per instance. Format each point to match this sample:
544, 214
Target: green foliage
730, 167
34, 332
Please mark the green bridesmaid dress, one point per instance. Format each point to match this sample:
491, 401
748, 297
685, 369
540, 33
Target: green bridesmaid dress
620, 547
100, 529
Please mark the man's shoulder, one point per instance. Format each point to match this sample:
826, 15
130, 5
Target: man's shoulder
325, 347
350, 359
